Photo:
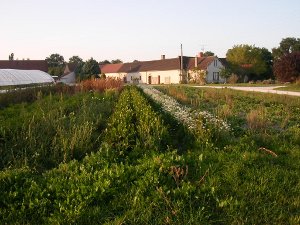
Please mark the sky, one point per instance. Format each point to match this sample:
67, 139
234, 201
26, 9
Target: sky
141, 30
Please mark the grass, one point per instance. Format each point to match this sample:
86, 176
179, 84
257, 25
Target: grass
291, 87
146, 170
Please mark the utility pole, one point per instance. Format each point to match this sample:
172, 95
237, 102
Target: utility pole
181, 64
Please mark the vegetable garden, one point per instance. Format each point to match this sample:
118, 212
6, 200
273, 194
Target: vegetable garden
143, 155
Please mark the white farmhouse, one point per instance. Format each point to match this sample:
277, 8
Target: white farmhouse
165, 71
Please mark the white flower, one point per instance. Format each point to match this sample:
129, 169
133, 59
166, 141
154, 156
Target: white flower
182, 113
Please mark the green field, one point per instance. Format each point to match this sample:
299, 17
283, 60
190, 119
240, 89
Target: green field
139, 155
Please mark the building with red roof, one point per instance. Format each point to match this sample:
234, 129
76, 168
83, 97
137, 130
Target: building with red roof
165, 71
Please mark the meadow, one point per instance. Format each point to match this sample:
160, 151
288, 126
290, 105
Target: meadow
143, 155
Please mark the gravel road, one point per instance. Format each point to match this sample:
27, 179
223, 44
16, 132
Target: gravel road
258, 89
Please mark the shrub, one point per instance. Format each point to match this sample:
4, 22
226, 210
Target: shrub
233, 79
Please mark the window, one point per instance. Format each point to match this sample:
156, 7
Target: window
216, 75
215, 63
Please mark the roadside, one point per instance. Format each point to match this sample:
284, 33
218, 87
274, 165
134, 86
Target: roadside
268, 89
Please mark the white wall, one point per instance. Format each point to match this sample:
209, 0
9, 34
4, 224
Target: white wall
169, 76
214, 68
68, 79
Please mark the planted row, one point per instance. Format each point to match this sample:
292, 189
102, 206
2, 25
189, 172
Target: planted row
53, 129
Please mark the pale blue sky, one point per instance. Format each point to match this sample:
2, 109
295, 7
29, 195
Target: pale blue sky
141, 30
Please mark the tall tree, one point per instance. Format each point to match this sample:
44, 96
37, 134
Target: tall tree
90, 68
55, 60
56, 64
286, 46
287, 67
250, 61
78, 63
76, 60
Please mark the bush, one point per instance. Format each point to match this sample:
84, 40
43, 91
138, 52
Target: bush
233, 79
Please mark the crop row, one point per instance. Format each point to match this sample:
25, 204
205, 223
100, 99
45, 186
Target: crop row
137, 177
53, 129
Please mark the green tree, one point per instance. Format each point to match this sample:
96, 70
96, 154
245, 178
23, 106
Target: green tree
56, 63
78, 63
55, 60
208, 53
104, 62
225, 73
287, 45
249, 61
90, 68
76, 60
116, 61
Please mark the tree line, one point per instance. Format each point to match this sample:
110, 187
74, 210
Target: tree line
249, 62
246, 62
83, 69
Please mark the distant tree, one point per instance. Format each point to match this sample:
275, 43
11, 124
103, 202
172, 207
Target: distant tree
11, 57
116, 61
56, 64
287, 67
208, 53
249, 61
76, 60
90, 68
135, 61
79, 65
104, 62
55, 60
287, 45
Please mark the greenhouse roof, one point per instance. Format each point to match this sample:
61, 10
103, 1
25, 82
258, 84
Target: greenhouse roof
21, 77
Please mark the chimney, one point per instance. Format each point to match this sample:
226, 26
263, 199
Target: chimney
196, 61
163, 57
200, 54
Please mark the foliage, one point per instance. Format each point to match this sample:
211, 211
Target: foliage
250, 61
287, 45
287, 67
55, 60
11, 57
100, 85
90, 68
58, 130
56, 64
208, 53
116, 61
225, 73
76, 60
198, 76
104, 62
138, 176
233, 79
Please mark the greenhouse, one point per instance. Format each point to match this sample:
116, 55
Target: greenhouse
23, 77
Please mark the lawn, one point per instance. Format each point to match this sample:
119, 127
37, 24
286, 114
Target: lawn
291, 87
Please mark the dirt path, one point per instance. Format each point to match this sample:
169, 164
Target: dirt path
258, 89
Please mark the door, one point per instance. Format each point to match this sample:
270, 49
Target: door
149, 80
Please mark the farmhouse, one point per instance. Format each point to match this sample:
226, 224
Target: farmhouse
165, 71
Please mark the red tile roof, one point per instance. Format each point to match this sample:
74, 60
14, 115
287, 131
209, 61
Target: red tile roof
157, 65
24, 65
202, 62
